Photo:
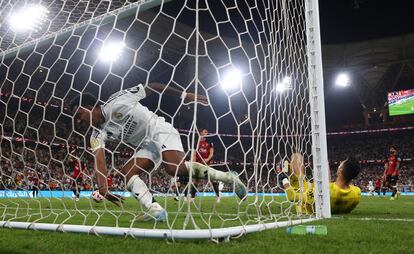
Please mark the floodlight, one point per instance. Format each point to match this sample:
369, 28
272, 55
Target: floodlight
343, 80
28, 18
285, 84
232, 80
111, 51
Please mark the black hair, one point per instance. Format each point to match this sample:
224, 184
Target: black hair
86, 100
351, 168
393, 146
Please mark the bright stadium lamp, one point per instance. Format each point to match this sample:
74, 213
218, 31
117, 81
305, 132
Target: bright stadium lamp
29, 18
343, 80
111, 51
232, 80
286, 84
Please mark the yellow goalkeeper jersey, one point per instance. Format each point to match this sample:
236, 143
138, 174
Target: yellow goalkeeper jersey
342, 200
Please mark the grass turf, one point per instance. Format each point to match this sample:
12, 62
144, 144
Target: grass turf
377, 225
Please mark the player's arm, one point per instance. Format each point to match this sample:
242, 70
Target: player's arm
292, 194
385, 169
397, 167
194, 155
98, 147
100, 164
187, 97
210, 154
100, 167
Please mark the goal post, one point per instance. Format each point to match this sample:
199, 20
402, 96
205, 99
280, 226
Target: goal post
257, 63
317, 102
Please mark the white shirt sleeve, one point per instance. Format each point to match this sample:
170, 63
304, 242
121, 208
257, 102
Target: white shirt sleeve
98, 139
120, 104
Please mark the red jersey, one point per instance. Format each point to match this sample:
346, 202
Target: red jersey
203, 151
378, 183
392, 162
109, 180
77, 169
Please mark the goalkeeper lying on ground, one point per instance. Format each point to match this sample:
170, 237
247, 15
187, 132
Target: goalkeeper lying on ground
344, 196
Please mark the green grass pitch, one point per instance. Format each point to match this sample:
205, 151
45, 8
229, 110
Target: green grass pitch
377, 225
407, 107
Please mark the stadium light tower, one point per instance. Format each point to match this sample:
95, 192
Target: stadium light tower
232, 80
28, 18
111, 51
343, 80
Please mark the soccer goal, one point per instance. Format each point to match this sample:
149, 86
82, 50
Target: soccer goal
256, 62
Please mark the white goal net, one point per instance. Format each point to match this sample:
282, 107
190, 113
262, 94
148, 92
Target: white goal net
255, 66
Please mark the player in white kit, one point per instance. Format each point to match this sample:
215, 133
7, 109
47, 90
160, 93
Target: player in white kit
124, 118
371, 188
220, 189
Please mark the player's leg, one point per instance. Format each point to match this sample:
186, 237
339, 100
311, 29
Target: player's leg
393, 183
138, 188
189, 190
173, 158
174, 163
193, 188
77, 186
216, 191
176, 193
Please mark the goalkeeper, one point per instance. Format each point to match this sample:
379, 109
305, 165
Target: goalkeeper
344, 196
124, 118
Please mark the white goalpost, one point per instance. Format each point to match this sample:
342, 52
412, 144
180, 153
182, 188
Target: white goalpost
257, 62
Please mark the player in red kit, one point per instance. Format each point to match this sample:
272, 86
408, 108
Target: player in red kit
378, 185
35, 182
391, 172
110, 179
77, 175
203, 155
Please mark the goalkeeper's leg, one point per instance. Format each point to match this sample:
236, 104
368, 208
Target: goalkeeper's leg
174, 162
140, 190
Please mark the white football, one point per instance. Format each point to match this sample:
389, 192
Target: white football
97, 197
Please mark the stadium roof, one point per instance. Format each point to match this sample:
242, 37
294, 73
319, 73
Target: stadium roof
376, 66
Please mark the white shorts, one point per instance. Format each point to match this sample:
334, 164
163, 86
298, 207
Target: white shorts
165, 138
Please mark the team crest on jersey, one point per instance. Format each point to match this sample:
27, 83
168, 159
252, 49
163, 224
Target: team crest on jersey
117, 115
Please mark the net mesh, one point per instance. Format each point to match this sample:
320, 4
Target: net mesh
248, 58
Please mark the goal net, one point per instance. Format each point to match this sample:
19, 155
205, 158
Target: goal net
256, 62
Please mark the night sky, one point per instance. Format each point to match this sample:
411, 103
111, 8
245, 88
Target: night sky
344, 21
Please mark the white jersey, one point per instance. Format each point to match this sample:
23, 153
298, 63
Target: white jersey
221, 186
370, 186
126, 119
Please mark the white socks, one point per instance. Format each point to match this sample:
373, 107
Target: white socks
140, 190
201, 171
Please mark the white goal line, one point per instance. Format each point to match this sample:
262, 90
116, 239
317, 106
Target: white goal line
373, 219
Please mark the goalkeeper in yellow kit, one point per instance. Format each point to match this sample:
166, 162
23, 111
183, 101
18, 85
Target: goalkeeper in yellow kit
344, 196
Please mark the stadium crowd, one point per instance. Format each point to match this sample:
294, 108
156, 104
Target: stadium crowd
38, 153
24, 160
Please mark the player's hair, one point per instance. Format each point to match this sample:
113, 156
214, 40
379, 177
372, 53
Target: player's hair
86, 100
393, 146
351, 168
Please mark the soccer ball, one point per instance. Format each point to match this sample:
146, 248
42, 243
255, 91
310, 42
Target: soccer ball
97, 197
